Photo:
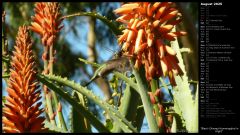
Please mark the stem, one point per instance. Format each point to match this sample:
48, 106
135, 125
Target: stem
148, 108
154, 86
89, 62
6, 64
55, 98
46, 91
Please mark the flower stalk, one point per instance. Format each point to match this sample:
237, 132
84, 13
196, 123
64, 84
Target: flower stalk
154, 87
46, 22
5, 55
21, 113
148, 107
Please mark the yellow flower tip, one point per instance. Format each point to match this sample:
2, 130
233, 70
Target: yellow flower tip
138, 40
169, 16
164, 67
36, 28
124, 10
169, 50
175, 71
50, 40
183, 33
130, 5
155, 6
150, 39
156, 23
10, 130
137, 64
125, 46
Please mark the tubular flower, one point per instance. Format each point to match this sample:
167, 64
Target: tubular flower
46, 21
21, 112
148, 29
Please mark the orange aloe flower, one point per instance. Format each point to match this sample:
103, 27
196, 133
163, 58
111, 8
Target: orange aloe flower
21, 113
46, 21
148, 29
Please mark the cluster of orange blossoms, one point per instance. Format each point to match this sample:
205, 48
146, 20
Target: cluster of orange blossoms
149, 26
46, 21
21, 113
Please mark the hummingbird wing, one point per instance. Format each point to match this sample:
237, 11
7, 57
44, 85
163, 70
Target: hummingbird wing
118, 64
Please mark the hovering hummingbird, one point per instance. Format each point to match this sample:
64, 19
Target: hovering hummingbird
120, 63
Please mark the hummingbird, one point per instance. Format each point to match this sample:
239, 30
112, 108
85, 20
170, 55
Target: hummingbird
120, 63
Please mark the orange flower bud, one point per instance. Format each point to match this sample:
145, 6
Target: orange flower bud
163, 7
138, 40
169, 16
160, 123
59, 107
123, 37
124, 10
149, 11
131, 5
156, 23
142, 23
152, 70
165, 28
141, 48
160, 48
153, 101
150, 39
155, 6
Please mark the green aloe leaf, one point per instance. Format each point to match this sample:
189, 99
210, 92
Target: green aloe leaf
183, 99
78, 122
110, 109
81, 109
